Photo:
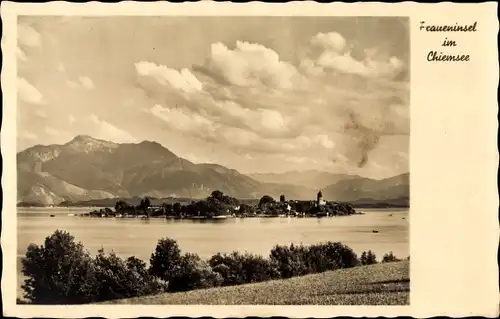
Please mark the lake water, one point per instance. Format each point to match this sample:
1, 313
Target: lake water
136, 237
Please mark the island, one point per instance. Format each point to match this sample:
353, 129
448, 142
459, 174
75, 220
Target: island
221, 206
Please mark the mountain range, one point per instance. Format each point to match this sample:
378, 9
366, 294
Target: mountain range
86, 169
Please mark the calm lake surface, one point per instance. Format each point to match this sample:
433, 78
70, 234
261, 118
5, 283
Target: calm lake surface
136, 237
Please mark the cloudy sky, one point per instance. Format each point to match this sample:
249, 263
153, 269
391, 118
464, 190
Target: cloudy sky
258, 94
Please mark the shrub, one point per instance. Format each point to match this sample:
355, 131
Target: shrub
230, 268
290, 261
317, 259
194, 273
123, 279
237, 269
58, 272
340, 254
61, 272
256, 269
390, 257
368, 258
137, 265
299, 260
165, 262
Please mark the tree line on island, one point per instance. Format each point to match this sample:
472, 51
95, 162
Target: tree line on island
62, 272
219, 205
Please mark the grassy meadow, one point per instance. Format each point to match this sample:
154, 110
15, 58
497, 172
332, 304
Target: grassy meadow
379, 284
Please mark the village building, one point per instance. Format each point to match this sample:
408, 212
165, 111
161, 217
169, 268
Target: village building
319, 199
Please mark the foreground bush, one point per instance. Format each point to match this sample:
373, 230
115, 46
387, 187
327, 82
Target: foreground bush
237, 269
290, 261
389, 258
194, 273
300, 260
123, 279
368, 258
61, 272
165, 262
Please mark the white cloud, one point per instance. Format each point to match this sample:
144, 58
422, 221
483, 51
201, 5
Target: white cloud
184, 80
343, 62
332, 41
28, 36
71, 119
251, 64
331, 51
254, 102
28, 93
181, 120
272, 120
86, 82
109, 132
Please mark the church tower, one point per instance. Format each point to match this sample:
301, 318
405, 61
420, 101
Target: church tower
319, 198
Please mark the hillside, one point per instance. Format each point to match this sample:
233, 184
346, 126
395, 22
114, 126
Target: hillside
368, 190
382, 284
310, 178
88, 169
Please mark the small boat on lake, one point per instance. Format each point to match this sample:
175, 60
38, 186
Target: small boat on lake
220, 217
197, 217
52, 215
375, 231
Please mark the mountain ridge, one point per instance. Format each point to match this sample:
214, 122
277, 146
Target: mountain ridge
87, 168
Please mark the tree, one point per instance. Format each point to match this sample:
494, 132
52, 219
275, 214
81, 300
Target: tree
265, 200
217, 195
368, 258
282, 198
123, 279
147, 203
120, 205
194, 273
135, 264
165, 262
390, 257
246, 209
59, 272
177, 209
167, 208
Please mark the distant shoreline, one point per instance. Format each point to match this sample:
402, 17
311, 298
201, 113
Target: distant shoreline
368, 206
78, 205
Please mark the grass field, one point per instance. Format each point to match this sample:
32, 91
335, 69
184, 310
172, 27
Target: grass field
382, 284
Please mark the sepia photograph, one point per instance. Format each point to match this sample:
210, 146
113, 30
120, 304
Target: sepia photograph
214, 160
249, 160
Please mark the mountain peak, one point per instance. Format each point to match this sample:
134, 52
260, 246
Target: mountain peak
86, 143
83, 138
